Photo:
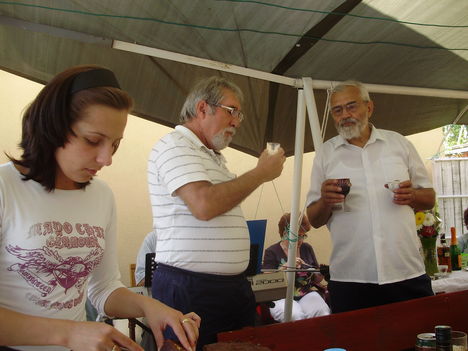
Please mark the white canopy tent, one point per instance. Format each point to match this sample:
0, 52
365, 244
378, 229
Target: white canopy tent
380, 42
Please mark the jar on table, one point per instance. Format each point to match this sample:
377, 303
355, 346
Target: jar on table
425, 342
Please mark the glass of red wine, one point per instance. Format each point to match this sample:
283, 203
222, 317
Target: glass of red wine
345, 185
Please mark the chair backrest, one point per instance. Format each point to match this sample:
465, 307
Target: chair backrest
132, 274
257, 229
150, 266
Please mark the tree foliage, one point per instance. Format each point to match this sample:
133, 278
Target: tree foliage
455, 135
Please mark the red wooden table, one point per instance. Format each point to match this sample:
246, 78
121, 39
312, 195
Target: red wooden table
392, 327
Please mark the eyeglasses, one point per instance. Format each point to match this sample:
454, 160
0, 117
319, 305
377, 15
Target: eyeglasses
350, 107
232, 110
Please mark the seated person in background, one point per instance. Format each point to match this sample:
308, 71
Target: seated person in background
148, 246
307, 302
463, 240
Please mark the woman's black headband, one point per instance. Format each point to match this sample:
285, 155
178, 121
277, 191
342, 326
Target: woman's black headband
99, 77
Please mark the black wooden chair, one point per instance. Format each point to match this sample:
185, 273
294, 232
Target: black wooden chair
150, 266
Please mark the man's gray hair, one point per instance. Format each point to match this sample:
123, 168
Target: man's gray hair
352, 83
211, 90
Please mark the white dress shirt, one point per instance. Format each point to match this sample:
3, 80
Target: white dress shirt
376, 241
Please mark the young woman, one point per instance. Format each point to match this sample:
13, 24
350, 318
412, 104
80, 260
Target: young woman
58, 224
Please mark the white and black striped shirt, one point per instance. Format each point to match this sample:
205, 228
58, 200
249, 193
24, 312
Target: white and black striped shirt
218, 246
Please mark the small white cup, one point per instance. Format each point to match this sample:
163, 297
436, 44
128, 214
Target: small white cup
459, 341
394, 184
272, 148
443, 268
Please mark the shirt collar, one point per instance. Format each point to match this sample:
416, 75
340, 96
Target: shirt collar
190, 135
197, 142
374, 136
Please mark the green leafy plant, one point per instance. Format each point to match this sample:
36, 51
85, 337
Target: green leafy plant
455, 135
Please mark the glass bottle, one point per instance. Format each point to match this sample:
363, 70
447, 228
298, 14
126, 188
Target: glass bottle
455, 253
443, 253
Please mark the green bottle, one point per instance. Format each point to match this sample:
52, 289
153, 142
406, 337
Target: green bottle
455, 253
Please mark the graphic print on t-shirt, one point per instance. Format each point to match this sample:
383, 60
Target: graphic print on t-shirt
47, 268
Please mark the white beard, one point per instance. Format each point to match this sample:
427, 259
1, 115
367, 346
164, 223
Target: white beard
220, 140
352, 131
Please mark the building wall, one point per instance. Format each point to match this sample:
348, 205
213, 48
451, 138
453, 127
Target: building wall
127, 175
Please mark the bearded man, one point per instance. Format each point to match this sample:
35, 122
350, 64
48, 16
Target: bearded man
375, 258
203, 244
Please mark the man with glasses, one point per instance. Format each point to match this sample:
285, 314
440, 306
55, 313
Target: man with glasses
375, 258
203, 244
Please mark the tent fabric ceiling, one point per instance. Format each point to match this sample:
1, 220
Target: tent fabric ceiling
371, 44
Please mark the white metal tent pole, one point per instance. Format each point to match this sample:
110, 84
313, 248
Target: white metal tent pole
312, 112
197, 61
317, 84
295, 201
297, 176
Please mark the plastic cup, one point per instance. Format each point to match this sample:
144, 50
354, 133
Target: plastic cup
459, 341
394, 184
443, 270
272, 148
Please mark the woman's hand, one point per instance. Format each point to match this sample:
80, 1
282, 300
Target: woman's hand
191, 324
159, 316
299, 262
124, 303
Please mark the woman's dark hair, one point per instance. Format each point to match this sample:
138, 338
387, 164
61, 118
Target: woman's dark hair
466, 217
48, 120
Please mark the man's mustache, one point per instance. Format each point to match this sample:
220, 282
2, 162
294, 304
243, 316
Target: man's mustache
231, 130
348, 120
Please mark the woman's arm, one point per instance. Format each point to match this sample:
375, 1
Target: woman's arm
109, 296
21, 329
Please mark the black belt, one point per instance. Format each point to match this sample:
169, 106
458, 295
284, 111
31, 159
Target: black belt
225, 278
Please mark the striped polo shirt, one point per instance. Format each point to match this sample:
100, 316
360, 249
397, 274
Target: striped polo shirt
218, 246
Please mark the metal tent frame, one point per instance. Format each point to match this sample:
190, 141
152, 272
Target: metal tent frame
305, 104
